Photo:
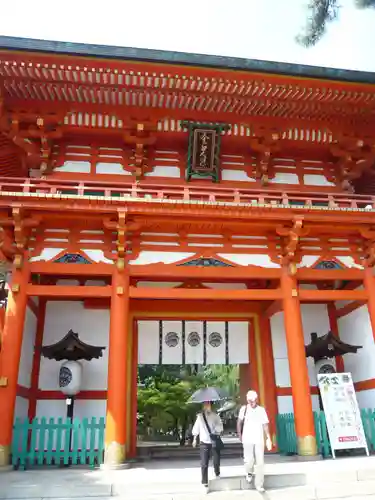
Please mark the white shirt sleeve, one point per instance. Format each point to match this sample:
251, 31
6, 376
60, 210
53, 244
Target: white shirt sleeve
218, 425
241, 414
265, 419
197, 426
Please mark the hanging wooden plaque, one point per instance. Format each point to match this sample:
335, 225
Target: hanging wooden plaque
204, 149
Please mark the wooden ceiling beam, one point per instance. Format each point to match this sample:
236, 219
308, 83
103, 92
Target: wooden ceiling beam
314, 106
341, 125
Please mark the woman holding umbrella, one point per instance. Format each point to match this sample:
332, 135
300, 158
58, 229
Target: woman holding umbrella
208, 427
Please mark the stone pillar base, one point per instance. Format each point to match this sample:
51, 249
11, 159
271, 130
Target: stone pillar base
114, 455
4, 456
306, 446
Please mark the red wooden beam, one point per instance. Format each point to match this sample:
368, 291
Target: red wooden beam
200, 294
95, 269
80, 292
162, 271
329, 274
329, 295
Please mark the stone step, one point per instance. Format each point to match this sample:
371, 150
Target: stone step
271, 481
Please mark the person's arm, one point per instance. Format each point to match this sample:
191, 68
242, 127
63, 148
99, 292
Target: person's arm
196, 430
266, 430
240, 420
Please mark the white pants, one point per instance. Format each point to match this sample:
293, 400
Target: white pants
254, 456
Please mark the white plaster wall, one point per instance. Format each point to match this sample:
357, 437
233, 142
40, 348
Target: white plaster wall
316, 180
235, 175
171, 171
92, 327
82, 408
314, 319
22, 408
245, 259
77, 167
284, 178
355, 328
366, 399
285, 404
110, 168
27, 352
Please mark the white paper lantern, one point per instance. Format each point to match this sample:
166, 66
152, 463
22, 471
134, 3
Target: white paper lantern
70, 378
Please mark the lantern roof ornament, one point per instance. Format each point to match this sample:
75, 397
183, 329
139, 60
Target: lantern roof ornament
328, 346
71, 348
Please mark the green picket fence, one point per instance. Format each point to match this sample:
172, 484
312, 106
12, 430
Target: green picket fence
286, 434
58, 442
287, 439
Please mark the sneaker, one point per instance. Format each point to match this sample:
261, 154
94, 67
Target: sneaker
249, 478
204, 489
260, 489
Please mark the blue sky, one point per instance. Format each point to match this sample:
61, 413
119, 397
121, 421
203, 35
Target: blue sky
259, 29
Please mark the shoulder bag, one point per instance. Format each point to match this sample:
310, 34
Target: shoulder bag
216, 440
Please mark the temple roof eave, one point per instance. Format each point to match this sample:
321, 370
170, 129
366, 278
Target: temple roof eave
184, 58
71, 348
329, 346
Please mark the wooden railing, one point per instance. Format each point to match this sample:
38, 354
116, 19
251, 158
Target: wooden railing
184, 193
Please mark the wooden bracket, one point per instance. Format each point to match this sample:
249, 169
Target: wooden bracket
140, 135
353, 157
368, 235
290, 242
265, 144
122, 227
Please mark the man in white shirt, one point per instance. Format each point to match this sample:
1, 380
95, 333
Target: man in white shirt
252, 426
206, 449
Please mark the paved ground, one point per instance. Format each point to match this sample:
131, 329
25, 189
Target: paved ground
344, 478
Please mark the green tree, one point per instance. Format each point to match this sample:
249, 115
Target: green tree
163, 396
320, 14
164, 392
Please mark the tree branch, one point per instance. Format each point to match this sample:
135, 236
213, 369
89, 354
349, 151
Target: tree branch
321, 12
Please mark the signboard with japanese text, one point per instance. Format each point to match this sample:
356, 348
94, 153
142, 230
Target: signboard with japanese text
204, 150
203, 159
343, 417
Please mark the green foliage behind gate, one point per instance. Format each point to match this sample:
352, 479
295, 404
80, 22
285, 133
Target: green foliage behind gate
57, 441
287, 439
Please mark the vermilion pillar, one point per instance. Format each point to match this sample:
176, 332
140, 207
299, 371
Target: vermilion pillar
248, 373
117, 396
303, 413
369, 283
134, 392
269, 374
11, 353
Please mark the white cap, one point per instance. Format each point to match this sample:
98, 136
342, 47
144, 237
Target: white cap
251, 396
